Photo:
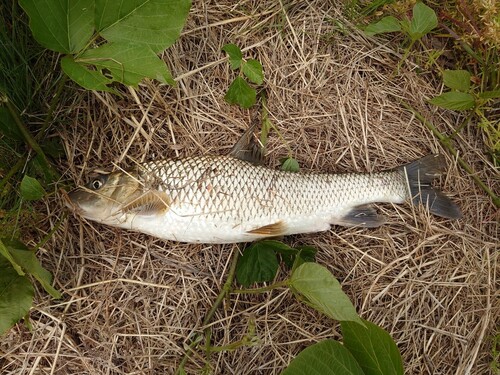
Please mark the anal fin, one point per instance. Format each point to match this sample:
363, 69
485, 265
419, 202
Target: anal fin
362, 216
271, 230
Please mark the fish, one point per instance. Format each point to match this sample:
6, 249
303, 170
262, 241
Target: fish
235, 198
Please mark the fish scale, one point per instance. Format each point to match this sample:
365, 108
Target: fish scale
223, 199
234, 194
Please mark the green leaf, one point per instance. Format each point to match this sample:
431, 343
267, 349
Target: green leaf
31, 190
235, 55
128, 63
373, 348
61, 25
153, 23
457, 79
4, 251
454, 100
305, 254
89, 79
323, 292
26, 258
424, 20
387, 24
290, 165
489, 94
327, 357
252, 69
241, 93
16, 296
257, 264
287, 253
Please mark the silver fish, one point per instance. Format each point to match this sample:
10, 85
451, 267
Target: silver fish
228, 199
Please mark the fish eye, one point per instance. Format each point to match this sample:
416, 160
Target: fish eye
97, 182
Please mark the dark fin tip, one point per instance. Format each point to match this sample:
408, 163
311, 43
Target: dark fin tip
362, 216
420, 175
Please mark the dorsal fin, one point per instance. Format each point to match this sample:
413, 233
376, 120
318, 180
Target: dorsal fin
248, 148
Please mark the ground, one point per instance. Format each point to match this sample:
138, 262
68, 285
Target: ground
132, 301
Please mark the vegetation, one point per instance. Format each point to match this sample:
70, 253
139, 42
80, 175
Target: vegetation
101, 46
96, 52
472, 91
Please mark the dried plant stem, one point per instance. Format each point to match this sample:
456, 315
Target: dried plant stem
226, 289
446, 142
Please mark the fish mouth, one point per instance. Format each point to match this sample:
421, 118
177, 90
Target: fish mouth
70, 201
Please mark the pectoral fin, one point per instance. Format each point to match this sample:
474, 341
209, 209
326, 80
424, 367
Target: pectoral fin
149, 203
361, 216
271, 230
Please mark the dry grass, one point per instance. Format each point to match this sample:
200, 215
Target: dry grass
131, 301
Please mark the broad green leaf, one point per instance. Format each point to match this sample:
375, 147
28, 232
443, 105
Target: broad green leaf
424, 20
323, 292
26, 258
373, 348
89, 79
327, 357
154, 23
290, 165
287, 253
31, 190
235, 55
4, 251
128, 63
252, 69
454, 100
305, 254
457, 79
387, 24
241, 93
257, 264
61, 25
16, 296
489, 94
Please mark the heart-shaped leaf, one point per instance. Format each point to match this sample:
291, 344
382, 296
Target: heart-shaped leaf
61, 25
323, 292
327, 357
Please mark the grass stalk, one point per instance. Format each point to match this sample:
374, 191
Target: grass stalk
226, 289
33, 140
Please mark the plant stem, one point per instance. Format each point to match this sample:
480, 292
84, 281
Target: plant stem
279, 284
22, 160
446, 142
226, 289
19, 164
405, 56
32, 143
463, 124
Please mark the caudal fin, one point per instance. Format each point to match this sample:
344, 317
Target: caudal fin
420, 175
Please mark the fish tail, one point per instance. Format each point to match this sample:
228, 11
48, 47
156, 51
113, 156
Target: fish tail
419, 176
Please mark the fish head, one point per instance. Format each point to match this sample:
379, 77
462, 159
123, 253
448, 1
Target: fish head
102, 199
